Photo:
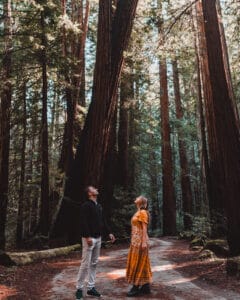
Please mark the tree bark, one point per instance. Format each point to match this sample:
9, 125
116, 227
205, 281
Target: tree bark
215, 202
90, 157
73, 82
169, 201
205, 173
44, 207
227, 158
187, 202
168, 192
126, 91
154, 201
226, 61
6, 97
21, 218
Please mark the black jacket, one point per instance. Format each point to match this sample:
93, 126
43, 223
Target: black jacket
92, 221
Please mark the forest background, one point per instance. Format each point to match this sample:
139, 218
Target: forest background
134, 97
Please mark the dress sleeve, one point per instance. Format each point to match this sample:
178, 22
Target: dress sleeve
143, 216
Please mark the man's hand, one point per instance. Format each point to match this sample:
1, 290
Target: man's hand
112, 237
89, 241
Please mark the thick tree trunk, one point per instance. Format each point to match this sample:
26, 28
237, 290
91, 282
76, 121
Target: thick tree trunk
110, 176
21, 218
205, 173
226, 61
44, 207
227, 157
66, 157
90, 158
74, 82
187, 202
6, 96
215, 202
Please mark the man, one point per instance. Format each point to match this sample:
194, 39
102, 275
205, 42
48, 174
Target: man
92, 226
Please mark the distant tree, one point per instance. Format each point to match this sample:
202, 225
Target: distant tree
6, 98
126, 95
169, 201
44, 208
187, 201
21, 219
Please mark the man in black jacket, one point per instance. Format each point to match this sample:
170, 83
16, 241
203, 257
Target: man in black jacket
92, 227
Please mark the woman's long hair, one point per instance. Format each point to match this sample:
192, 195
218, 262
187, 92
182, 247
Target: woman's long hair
144, 205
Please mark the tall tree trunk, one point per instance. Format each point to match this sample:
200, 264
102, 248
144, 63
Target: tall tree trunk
44, 207
126, 90
154, 201
131, 146
185, 174
227, 157
226, 61
6, 96
169, 201
90, 158
73, 88
21, 218
168, 192
34, 164
215, 202
109, 178
205, 172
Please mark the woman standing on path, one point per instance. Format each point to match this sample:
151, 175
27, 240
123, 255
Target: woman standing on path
138, 265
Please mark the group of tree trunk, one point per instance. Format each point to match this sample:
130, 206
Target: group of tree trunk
104, 155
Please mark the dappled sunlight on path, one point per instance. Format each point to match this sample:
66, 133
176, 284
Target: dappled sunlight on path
168, 280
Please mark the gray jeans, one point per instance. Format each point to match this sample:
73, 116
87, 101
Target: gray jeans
87, 270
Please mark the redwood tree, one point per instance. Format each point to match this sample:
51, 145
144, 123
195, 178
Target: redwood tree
168, 192
6, 96
211, 169
73, 79
126, 93
21, 219
44, 208
87, 168
185, 174
169, 201
227, 156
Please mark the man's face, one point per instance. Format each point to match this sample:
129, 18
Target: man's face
92, 192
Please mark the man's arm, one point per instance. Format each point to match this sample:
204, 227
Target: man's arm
85, 216
107, 229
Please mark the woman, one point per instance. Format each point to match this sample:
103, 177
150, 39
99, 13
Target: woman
138, 266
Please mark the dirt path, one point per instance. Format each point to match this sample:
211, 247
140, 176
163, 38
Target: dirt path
169, 280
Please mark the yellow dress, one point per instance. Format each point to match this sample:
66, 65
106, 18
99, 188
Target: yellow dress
138, 265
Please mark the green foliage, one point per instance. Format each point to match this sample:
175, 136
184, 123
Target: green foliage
201, 225
123, 211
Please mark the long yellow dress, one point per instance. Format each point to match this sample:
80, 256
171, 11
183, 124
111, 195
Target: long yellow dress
138, 265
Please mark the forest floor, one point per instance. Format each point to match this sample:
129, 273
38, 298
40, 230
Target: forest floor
177, 274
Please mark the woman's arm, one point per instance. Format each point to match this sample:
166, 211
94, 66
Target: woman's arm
144, 235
